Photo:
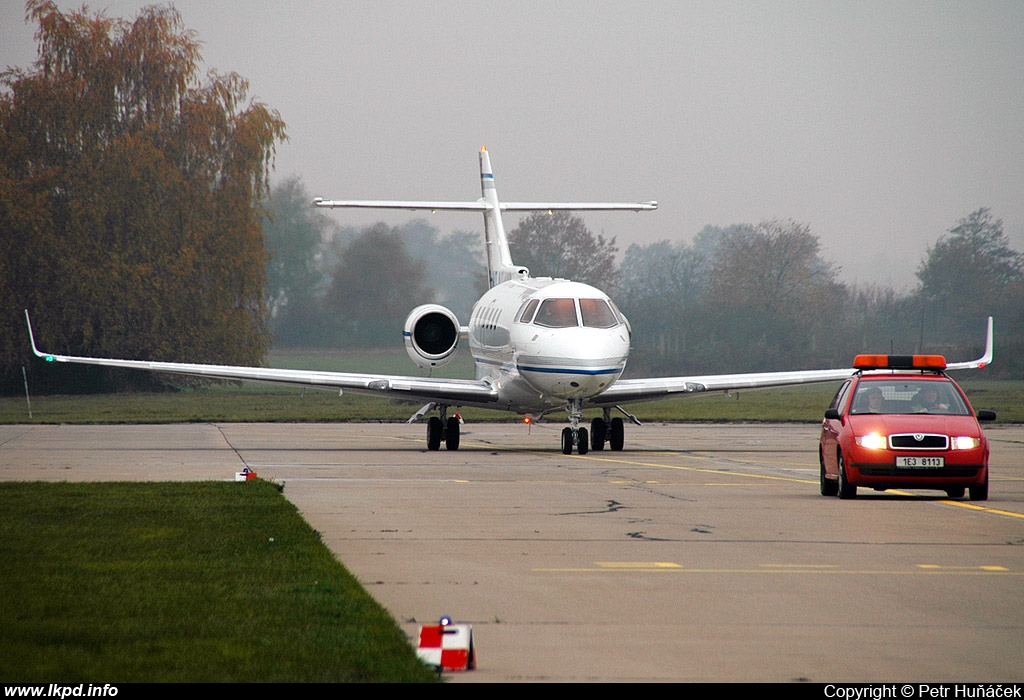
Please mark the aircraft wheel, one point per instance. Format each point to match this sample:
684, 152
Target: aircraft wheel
598, 433
582, 446
616, 434
434, 430
567, 441
845, 489
827, 486
451, 438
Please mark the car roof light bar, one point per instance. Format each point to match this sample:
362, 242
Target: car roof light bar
920, 362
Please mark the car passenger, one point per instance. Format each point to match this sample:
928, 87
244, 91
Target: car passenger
869, 401
927, 401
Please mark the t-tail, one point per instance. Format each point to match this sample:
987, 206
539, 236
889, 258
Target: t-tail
500, 267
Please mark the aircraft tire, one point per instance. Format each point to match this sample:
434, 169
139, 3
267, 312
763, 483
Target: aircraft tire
434, 430
583, 445
567, 441
616, 435
598, 433
451, 438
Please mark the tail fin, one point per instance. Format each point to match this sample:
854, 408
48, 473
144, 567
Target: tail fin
500, 267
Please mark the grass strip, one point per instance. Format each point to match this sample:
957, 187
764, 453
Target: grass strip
248, 403
182, 582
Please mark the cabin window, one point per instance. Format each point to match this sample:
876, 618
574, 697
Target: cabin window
597, 314
557, 313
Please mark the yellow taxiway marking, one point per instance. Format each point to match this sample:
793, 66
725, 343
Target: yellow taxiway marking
961, 568
704, 470
830, 569
734, 473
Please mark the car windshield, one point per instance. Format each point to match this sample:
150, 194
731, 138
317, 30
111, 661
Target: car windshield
908, 396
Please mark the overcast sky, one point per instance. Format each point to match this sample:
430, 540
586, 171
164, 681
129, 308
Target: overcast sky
878, 124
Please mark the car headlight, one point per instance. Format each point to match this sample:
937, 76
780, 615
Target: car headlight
871, 441
963, 442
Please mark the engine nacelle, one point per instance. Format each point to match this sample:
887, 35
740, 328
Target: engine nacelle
431, 335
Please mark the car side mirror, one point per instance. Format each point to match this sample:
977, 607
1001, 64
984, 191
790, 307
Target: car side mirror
986, 415
833, 414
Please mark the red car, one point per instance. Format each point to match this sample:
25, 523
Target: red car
901, 423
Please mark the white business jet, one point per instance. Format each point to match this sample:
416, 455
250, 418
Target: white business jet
540, 345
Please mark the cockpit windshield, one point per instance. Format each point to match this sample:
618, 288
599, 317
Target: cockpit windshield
557, 313
562, 313
597, 314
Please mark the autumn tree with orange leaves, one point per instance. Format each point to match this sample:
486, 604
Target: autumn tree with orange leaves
131, 195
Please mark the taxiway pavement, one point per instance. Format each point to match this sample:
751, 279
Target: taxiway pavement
699, 553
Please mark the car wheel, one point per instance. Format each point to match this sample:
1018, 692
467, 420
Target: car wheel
828, 487
955, 493
980, 493
844, 489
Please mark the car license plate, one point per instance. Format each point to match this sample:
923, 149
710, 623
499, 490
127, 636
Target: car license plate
920, 462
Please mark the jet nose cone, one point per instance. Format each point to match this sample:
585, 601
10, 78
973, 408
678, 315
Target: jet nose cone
576, 362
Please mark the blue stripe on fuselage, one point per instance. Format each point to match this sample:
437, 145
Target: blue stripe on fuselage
567, 370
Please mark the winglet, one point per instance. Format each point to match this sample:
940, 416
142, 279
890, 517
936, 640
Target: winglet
983, 361
31, 338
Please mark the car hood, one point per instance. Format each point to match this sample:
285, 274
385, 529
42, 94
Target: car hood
915, 423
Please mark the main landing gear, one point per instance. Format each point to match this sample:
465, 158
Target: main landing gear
443, 429
604, 429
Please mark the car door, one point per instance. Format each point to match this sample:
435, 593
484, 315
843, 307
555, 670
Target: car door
830, 427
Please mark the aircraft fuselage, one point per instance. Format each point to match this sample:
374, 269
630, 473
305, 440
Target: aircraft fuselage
543, 342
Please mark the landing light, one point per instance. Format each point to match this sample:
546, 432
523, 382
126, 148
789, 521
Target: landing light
933, 362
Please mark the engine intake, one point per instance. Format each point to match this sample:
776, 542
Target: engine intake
431, 335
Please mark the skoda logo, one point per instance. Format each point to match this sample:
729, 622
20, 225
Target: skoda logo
919, 436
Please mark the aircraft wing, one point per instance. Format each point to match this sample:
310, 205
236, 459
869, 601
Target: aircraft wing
454, 391
651, 389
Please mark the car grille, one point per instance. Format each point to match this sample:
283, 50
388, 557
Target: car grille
910, 441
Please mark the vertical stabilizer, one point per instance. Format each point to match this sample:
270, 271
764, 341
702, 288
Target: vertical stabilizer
500, 267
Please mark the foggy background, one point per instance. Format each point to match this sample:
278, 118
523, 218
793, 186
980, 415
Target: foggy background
877, 124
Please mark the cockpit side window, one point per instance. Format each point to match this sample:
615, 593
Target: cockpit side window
597, 314
526, 315
557, 313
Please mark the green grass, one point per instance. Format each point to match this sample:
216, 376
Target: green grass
182, 582
255, 402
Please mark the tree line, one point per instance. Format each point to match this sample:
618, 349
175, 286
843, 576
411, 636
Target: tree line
131, 196
138, 220
745, 297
